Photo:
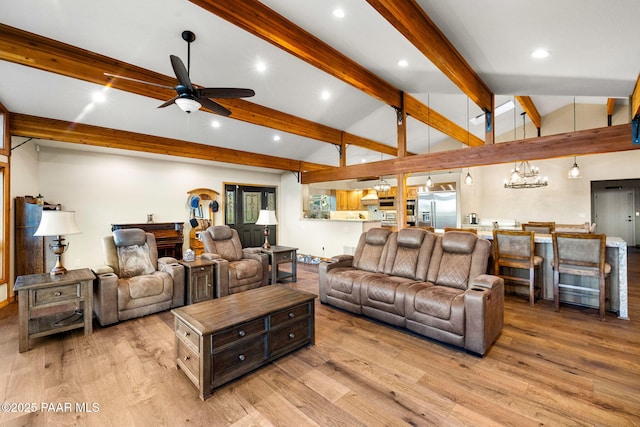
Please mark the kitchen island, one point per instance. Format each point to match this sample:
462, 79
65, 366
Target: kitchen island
616, 287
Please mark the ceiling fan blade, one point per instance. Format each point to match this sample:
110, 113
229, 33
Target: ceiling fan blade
169, 102
181, 72
115, 76
214, 106
224, 92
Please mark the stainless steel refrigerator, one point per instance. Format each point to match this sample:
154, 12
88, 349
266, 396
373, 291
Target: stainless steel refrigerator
437, 209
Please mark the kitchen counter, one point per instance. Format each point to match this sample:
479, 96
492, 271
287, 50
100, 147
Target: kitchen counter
341, 220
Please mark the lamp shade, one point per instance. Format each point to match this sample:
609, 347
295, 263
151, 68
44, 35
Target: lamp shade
267, 217
57, 223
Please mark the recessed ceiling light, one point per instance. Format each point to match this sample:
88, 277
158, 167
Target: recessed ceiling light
276, 137
215, 124
261, 66
325, 95
540, 53
338, 13
403, 63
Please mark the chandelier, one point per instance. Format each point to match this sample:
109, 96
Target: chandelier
524, 175
382, 186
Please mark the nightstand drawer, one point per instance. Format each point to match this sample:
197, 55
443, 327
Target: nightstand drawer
283, 257
239, 332
56, 294
290, 314
185, 333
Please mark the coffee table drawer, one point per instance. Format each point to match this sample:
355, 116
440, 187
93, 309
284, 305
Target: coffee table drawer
56, 294
239, 359
189, 361
239, 332
290, 336
290, 314
187, 334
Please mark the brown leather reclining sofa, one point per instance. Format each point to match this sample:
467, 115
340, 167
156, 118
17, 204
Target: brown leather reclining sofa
434, 285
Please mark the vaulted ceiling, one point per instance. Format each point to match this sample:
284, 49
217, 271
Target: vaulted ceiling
461, 56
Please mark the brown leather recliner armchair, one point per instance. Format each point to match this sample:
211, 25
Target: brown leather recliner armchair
134, 282
237, 269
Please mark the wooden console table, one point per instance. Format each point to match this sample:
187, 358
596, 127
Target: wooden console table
223, 338
51, 304
281, 255
169, 236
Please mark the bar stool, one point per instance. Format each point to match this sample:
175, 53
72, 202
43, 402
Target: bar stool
516, 249
539, 227
580, 254
468, 230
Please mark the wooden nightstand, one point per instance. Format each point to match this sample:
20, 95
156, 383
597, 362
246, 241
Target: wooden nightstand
52, 304
199, 277
281, 255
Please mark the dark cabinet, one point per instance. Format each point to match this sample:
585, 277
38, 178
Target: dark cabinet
169, 236
31, 254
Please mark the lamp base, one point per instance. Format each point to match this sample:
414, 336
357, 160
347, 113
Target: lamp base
266, 244
58, 268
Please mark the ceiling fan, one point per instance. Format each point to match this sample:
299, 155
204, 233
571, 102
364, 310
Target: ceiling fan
190, 98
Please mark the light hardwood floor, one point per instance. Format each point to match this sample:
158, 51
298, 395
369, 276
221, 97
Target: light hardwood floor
546, 368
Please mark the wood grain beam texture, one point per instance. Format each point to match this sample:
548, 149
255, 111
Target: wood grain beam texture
78, 133
414, 24
530, 108
591, 141
39, 52
261, 21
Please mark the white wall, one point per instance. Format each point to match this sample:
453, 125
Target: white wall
105, 189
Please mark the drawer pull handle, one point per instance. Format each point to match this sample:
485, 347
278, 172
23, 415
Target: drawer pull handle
186, 333
241, 357
291, 315
187, 358
292, 335
57, 293
241, 333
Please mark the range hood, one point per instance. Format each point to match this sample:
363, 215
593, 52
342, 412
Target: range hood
370, 198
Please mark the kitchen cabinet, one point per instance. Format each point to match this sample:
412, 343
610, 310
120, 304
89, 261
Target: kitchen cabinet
349, 200
342, 200
354, 202
412, 193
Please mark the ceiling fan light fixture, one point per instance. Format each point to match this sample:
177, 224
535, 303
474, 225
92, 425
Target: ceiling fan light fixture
188, 104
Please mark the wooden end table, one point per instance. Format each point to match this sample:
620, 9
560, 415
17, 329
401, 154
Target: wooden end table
200, 276
281, 255
45, 301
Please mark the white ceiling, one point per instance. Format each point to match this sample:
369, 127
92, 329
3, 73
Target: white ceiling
593, 57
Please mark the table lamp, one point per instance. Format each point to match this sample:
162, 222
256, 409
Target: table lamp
55, 224
266, 218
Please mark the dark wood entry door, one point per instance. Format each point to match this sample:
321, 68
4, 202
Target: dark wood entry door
242, 206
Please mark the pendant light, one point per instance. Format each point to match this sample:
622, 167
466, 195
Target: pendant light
524, 175
468, 180
574, 171
429, 181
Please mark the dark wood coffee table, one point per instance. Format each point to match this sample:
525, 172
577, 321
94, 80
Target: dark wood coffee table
224, 338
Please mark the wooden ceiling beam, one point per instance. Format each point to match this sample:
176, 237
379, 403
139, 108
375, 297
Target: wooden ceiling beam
257, 19
414, 24
591, 141
635, 99
21, 47
77, 133
530, 108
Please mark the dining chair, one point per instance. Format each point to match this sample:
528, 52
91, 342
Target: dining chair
516, 249
468, 230
539, 227
580, 254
